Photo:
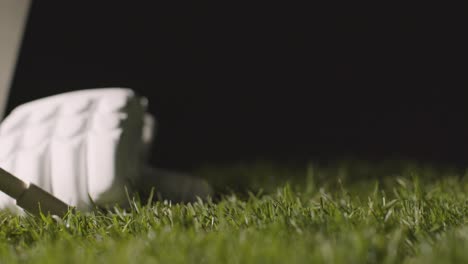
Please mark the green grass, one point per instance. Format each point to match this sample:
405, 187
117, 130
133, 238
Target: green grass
348, 213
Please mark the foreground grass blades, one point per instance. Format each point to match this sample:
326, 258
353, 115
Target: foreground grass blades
338, 215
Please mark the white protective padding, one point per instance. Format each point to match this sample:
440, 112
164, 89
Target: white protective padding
84, 147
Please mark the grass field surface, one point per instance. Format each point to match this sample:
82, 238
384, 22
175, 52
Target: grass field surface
346, 213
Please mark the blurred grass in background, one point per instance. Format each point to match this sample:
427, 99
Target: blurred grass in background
348, 212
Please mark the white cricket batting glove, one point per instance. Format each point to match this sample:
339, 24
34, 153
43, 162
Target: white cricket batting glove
85, 147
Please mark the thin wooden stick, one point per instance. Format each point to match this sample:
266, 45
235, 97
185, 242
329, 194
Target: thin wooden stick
30, 197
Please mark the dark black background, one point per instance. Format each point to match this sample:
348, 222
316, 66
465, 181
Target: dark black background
275, 81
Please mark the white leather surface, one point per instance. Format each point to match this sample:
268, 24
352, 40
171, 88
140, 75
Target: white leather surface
79, 145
